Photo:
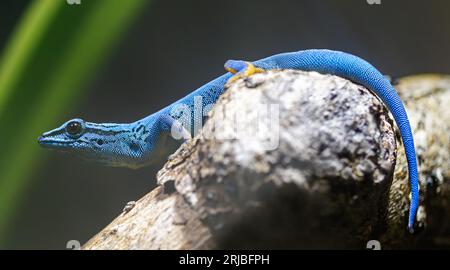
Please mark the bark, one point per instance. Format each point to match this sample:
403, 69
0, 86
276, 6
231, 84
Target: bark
291, 159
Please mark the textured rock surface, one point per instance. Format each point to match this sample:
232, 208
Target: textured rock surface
157, 221
324, 185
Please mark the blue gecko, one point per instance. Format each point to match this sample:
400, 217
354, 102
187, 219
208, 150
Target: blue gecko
147, 140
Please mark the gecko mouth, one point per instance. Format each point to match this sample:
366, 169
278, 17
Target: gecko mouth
52, 143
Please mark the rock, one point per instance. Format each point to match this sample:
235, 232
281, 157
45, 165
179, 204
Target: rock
325, 183
312, 166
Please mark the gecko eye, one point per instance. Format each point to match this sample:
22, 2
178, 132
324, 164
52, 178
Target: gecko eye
74, 128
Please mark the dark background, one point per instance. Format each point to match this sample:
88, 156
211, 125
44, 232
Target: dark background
175, 47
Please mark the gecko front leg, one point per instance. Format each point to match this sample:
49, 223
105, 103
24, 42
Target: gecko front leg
241, 69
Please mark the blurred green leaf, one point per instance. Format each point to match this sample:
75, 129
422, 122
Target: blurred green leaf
44, 69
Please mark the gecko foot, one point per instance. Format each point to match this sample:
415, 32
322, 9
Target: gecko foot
241, 69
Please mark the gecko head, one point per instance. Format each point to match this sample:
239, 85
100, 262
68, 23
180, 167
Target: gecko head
120, 145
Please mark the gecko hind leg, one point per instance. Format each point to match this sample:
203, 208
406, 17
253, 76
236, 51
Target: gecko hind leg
241, 69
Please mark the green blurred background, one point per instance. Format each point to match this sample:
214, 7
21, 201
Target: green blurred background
117, 61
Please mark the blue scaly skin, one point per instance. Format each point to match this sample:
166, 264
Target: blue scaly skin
142, 142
